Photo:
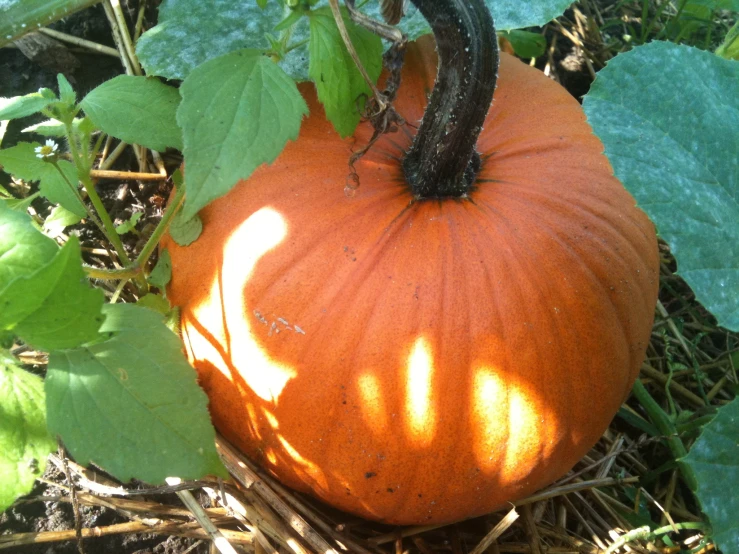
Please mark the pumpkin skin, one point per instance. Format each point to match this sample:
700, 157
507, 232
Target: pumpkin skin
422, 361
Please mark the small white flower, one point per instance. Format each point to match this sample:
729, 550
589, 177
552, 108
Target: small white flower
48, 150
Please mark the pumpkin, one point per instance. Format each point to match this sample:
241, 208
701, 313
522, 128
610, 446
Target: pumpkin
422, 361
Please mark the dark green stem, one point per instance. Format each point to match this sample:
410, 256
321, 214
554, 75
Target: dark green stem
442, 161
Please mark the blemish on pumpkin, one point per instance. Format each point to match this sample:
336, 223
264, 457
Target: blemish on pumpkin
369, 474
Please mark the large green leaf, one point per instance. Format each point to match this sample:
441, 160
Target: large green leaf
23, 250
24, 441
22, 16
53, 307
237, 112
21, 161
191, 32
131, 403
668, 116
715, 460
507, 15
339, 83
140, 110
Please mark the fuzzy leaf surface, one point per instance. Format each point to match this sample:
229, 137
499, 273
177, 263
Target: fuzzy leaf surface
21, 161
714, 458
237, 112
136, 390
668, 116
139, 110
24, 441
191, 32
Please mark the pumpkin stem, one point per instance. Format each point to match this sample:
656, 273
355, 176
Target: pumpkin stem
442, 162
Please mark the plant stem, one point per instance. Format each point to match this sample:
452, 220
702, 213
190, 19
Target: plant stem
83, 173
161, 228
111, 274
442, 161
662, 421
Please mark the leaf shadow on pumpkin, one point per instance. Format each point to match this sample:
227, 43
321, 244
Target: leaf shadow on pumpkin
422, 361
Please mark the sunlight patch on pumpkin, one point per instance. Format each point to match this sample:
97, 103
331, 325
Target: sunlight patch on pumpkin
307, 470
261, 232
374, 410
421, 419
502, 414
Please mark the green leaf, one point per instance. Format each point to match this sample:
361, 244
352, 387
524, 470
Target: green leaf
526, 44
714, 458
53, 307
23, 250
338, 81
66, 92
731, 5
507, 15
20, 204
155, 302
130, 224
185, 231
21, 161
22, 106
290, 20
59, 219
24, 441
237, 112
676, 153
22, 16
191, 32
131, 404
54, 128
162, 272
140, 110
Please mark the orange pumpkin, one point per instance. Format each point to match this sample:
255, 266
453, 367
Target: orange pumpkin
423, 361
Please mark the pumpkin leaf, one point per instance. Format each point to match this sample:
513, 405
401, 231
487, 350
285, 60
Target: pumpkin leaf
21, 161
136, 109
526, 44
646, 127
237, 112
507, 15
339, 83
137, 390
191, 32
53, 307
714, 458
25, 442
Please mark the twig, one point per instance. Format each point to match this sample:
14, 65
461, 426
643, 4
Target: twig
191, 530
128, 175
88, 44
496, 532
240, 470
105, 163
125, 35
379, 98
219, 540
73, 496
